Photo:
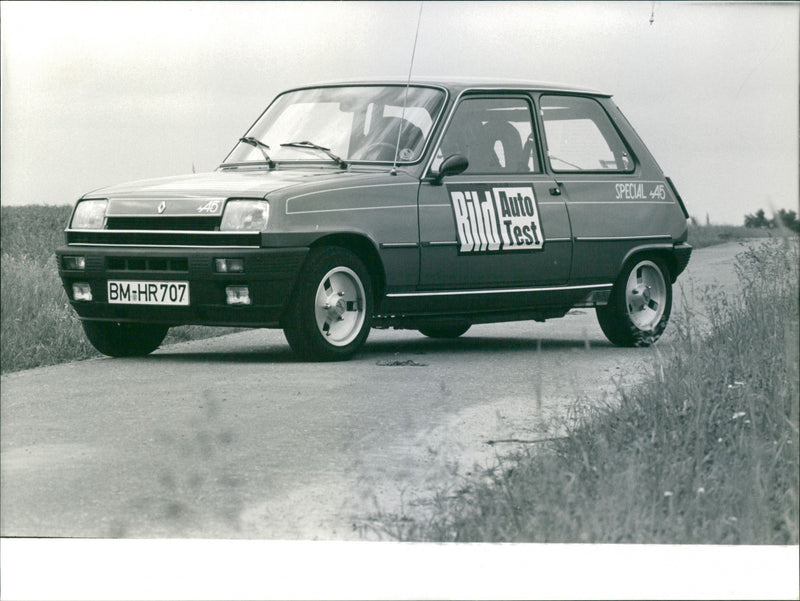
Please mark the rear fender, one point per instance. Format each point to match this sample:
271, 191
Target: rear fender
664, 251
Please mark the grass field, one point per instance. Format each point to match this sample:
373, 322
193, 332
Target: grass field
704, 451
38, 327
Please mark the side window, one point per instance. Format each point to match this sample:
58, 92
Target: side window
495, 134
581, 137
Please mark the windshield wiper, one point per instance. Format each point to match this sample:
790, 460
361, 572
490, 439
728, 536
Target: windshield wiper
262, 147
312, 146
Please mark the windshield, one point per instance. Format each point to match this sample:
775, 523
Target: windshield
356, 123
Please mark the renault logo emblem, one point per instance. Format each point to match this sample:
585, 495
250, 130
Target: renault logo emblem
162, 207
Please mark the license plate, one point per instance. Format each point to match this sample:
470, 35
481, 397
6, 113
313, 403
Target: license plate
131, 292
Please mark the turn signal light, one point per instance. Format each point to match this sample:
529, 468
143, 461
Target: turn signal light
229, 265
74, 263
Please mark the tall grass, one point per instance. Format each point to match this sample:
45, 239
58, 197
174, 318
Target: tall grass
33, 231
704, 451
37, 325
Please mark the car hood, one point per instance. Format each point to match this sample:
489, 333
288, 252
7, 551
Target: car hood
217, 184
196, 194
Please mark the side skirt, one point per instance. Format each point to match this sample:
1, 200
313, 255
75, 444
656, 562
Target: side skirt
410, 309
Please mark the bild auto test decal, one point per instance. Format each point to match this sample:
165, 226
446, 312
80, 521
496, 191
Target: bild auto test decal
495, 217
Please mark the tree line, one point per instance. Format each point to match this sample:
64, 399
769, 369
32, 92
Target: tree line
782, 218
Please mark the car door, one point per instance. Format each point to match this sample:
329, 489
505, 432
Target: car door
615, 194
502, 222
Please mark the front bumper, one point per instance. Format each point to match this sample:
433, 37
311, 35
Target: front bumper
269, 273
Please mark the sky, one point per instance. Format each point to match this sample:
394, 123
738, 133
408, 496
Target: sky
99, 93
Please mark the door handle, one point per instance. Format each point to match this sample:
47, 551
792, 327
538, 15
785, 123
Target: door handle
555, 191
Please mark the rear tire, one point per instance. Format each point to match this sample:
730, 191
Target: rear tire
330, 312
121, 339
639, 307
445, 330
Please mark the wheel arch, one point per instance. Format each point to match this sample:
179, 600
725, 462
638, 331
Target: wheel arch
365, 249
665, 252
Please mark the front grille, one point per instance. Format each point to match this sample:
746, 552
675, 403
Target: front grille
158, 238
150, 223
162, 264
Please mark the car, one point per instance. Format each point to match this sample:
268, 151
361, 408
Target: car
426, 205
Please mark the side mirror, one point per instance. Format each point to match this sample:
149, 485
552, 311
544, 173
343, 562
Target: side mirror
451, 165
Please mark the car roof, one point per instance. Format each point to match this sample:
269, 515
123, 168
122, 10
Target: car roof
457, 85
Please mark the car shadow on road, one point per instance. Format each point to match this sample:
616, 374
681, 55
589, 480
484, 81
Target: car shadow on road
473, 344
386, 349
246, 355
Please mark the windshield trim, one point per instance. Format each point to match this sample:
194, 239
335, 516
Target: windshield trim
425, 149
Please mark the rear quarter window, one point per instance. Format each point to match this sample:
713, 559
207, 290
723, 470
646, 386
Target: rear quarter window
581, 137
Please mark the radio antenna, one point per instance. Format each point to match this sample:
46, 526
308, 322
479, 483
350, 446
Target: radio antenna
405, 96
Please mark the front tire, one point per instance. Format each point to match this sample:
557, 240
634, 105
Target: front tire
639, 307
330, 312
120, 339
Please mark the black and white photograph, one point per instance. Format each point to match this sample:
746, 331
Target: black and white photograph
400, 300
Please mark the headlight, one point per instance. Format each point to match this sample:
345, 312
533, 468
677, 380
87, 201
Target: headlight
89, 215
248, 215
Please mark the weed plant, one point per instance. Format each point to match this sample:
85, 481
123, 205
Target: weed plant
705, 450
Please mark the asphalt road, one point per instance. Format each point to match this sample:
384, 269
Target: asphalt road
232, 437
